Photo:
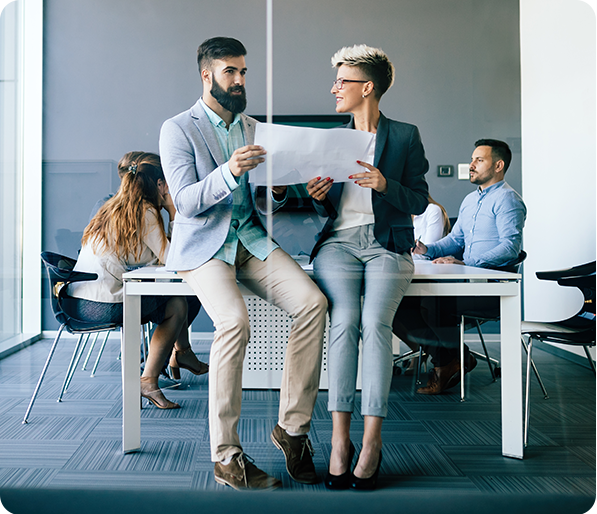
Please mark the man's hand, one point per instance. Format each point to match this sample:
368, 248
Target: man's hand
318, 188
372, 178
245, 158
447, 260
279, 192
419, 248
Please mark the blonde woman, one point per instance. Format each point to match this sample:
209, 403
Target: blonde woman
364, 250
127, 232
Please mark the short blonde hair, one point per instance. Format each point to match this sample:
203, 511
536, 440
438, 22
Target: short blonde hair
373, 62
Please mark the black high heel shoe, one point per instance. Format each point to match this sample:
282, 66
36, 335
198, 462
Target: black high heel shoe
338, 482
366, 484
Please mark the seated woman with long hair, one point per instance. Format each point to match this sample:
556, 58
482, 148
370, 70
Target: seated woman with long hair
128, 232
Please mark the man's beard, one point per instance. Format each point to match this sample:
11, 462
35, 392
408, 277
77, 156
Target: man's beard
233, 103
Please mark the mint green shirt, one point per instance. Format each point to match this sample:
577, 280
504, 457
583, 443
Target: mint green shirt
244, 226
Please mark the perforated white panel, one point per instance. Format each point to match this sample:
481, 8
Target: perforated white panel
264, 359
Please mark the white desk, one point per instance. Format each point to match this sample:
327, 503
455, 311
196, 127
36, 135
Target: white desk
428, 280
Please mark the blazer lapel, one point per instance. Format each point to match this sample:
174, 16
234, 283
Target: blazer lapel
380, 138
207, 132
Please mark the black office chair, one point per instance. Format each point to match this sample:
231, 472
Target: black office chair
61, 274
470, 320
579, 330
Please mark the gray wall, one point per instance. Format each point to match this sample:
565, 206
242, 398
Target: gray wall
114, 70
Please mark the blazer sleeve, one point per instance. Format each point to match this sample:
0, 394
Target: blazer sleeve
409, 195
195, 188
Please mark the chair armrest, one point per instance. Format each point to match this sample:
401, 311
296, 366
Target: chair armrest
576, 271
586, 282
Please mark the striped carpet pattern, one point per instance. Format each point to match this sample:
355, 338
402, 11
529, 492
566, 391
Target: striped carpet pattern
431, 443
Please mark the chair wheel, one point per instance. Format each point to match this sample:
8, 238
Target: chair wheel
497, 371
396, 371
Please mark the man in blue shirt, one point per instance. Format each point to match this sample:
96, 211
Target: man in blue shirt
487, 234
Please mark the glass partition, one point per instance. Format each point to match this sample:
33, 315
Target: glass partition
10, 172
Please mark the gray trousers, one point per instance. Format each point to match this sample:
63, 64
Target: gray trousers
351, 264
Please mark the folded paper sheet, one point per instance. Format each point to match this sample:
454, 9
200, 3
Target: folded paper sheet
299, 154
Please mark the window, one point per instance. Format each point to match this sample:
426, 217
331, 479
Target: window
21, 54
10, 173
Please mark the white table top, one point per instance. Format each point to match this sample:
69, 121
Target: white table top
424, 270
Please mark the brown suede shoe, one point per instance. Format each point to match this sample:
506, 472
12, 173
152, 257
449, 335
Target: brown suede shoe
242, 474
298, 452
440, 376
455, 380
445, 377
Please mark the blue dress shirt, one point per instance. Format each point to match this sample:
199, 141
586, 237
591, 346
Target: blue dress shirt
488, 229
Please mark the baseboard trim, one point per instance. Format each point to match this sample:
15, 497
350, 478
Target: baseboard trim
16, 343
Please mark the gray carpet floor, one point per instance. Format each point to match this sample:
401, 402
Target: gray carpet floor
439, 454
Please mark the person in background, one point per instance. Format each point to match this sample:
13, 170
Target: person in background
123, 168
128, 232
125, 162
428, 227
365, 249
488, 234
432, 225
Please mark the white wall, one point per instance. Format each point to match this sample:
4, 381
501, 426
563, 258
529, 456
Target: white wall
558, 90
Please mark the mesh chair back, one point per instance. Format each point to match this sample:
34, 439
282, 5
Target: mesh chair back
60, 274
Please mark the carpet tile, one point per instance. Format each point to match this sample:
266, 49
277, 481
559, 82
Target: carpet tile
434, 446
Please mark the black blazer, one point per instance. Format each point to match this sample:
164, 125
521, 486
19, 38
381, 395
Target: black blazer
400, 157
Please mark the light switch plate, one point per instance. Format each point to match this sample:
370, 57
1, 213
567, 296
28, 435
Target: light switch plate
445, 170
463, 171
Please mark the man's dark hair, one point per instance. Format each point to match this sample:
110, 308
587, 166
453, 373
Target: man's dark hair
218, 48
500, 151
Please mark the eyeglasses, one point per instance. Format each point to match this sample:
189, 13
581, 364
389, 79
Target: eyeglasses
340, 82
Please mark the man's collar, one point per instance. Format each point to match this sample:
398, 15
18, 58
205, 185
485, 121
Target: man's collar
490, 188
215, 118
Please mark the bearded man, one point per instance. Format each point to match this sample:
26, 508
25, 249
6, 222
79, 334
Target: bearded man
218, 239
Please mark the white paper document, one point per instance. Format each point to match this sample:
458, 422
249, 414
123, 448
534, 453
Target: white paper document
299, 154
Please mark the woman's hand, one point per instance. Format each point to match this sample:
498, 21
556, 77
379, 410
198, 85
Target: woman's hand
168, 204
420, 248
372, 178
318, 188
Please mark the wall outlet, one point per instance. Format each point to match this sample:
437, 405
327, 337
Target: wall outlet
445, 170
463, 171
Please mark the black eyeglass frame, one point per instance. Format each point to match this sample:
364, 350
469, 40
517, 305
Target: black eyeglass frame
342, 80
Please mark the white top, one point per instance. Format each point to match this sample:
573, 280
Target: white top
428, 226
109, 267
355, 207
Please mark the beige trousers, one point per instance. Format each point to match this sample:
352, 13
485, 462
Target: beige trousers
281, 281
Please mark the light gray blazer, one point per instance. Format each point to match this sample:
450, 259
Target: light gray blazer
191, 158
